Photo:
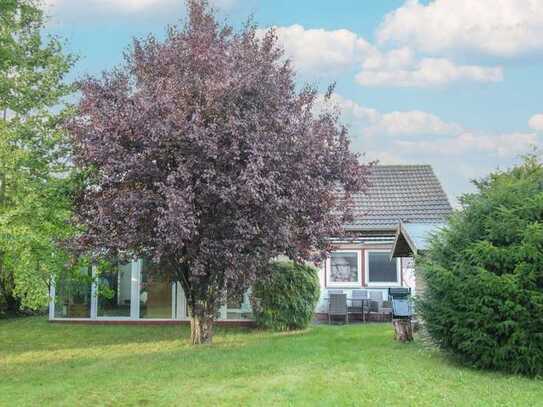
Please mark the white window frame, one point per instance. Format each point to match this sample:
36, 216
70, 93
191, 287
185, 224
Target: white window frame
369, 283
178, 300
134, 286
358, 283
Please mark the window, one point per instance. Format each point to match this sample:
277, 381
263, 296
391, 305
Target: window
380, 269
131, 290
115, 292
155, 293
343, 269
73, 295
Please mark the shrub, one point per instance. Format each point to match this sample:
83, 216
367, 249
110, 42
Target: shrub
484, 275
286, 299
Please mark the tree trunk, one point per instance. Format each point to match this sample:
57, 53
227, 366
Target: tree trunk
201, 330
201, 324
12, 303
403, 330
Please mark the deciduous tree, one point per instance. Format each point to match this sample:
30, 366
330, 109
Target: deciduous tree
34, 197
204, 157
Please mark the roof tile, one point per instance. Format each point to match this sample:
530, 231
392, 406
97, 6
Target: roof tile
408, 193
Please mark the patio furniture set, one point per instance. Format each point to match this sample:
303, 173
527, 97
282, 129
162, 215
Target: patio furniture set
361, 303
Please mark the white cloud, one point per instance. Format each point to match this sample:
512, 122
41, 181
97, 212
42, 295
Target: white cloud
499, 145
425, 73
536, 122
458, 154
417, 132
371, 122
322, 52
395, 59
413, 122
504, 28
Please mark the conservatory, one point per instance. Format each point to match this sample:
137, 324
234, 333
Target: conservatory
130, 292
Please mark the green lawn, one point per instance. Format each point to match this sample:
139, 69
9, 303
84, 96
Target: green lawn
71, 365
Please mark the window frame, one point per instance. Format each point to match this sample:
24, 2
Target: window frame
397, 283
346, 284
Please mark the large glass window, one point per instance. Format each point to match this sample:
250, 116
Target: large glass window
344, 268
114, 292
381, 269
73, 295
155, 293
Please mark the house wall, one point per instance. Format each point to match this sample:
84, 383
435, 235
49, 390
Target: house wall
406, 265
241, 312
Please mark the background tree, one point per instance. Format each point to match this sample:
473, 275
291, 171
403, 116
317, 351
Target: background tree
34, 178
484, 297
203, 157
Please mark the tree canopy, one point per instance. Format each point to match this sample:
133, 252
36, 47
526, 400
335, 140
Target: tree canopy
203, 156
484, 272
34, 176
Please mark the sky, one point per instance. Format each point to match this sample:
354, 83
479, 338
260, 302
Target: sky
457, 84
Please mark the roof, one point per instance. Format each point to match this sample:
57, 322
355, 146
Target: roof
412, 238
400, 193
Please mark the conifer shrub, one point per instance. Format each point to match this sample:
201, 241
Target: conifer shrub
484, 274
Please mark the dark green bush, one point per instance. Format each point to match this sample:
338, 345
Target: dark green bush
484, 275
286, 299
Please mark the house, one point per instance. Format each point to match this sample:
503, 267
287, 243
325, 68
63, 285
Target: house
402, 205
373, 258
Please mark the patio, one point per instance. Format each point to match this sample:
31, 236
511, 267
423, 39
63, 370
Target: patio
355, 306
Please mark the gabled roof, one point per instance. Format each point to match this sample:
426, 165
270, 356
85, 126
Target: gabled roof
400, 193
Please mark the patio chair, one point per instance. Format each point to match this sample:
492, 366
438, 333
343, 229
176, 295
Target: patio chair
337, 306
359, 301
376, 301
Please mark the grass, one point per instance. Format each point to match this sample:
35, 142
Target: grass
72, 365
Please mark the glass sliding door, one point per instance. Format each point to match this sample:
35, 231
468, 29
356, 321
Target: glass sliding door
73, 295
135, 290
115, 292
155, 296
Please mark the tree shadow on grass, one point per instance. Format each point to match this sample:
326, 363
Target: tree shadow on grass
37, 334
450, 359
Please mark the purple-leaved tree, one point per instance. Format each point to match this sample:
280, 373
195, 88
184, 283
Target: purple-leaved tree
203, 156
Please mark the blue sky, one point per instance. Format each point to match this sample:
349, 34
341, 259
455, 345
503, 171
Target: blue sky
452, 83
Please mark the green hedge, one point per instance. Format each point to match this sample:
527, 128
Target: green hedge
286, 299
484, 273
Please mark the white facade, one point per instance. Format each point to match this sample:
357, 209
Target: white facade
357, 265
405, 276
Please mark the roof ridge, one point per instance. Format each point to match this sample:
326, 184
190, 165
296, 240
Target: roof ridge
401, 165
